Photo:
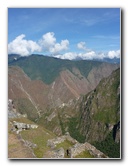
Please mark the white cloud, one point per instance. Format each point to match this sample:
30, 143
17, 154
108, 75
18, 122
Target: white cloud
58, 47
48, 40
46, 44
113, 54
81, 46
23, 47
89, 55
72, 55
68, 55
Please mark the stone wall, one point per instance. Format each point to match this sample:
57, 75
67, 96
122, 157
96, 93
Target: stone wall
17, 126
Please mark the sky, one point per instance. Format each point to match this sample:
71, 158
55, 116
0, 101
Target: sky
66, 33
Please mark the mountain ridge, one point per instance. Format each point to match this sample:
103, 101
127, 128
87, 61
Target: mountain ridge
68, 84
70, 101
47, 68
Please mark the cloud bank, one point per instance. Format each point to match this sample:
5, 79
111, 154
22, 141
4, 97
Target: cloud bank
48, 44
89, 55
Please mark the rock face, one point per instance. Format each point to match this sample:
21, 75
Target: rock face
100, 109
78, 148
116, 132
25, 126
22, 126
12, 113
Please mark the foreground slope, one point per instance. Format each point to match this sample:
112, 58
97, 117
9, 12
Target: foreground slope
26, 139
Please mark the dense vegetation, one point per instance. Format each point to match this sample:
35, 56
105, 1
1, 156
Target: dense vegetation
74, 132
99, 110
39, 67
109, 146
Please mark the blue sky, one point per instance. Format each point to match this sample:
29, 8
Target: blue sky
66, 33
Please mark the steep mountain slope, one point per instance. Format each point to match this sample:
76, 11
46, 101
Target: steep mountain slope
47, 69
101, 107
44, 82
98, 119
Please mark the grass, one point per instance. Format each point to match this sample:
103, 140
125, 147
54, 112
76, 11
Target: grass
39, 137
84, 154
109, 146
65, 145
22, 120
50, 125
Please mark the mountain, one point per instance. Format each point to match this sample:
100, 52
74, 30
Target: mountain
79, 97
98, 120
54, 80
47, 69
113, 60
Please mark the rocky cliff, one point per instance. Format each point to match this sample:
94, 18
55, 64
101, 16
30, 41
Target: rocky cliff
100, 109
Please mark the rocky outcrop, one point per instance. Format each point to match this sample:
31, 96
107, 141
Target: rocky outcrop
53, 142
12, 113
100, 109
74, 150
17, 126
78, 148
116, 132
50, 117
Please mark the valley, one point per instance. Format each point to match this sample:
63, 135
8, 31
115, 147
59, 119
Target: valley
81, 98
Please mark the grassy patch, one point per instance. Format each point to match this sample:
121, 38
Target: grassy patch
39, 137
84, 154
107, 114
50, 125
65, 145
22, 120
